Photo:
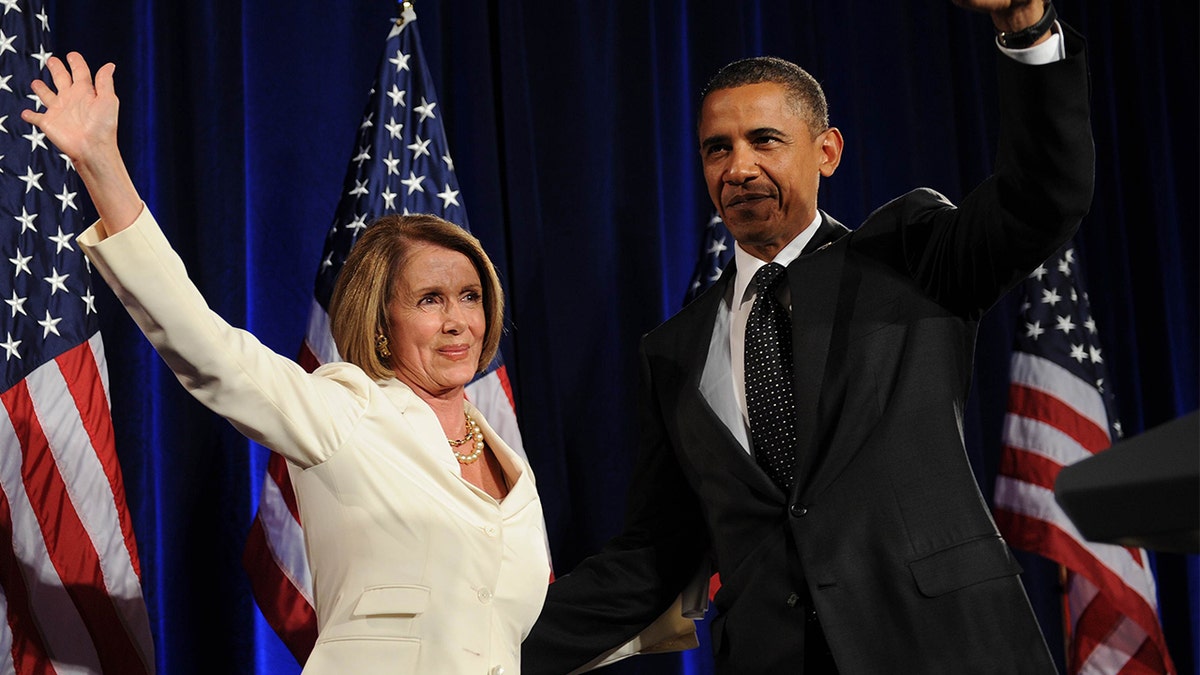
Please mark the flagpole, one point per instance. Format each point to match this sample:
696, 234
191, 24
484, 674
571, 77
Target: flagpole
406, 11
1066, 615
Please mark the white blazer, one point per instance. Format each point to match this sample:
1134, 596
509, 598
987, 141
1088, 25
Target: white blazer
414, 569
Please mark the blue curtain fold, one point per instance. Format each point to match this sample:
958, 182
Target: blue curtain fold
572, 126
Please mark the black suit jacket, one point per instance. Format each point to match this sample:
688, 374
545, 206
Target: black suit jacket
885, 532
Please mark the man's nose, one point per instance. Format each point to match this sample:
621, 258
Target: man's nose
743, 165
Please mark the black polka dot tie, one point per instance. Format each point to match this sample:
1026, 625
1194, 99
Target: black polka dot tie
769, 397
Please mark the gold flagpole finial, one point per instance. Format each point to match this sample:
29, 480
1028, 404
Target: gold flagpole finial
407, 13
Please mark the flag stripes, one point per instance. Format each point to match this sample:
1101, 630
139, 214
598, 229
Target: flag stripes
1059, 413
63, 528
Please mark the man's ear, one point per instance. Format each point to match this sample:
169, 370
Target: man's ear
831, 150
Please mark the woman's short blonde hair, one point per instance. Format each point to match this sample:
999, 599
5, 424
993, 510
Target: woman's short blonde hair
358, 309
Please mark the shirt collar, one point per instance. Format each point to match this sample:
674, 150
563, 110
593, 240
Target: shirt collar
746, 265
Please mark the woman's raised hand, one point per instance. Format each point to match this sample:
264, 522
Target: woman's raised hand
81, 115
81, 120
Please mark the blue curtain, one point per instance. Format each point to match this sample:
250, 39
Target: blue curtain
572, 126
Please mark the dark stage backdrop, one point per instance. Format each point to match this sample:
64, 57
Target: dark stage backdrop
572, 129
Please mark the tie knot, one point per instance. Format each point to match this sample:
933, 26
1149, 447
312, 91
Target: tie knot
767, 276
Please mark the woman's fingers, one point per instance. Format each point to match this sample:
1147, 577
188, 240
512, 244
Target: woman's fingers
104, 80
59, 75
44, 93
80, 72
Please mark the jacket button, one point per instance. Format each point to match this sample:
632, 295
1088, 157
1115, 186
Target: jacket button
497, 670
484, 595
797, 510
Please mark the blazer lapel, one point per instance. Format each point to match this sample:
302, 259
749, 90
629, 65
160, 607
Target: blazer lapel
695, 327
814, 280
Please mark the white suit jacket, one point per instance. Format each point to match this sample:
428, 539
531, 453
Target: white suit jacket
414, 569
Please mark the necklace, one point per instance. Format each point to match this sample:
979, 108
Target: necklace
473, 434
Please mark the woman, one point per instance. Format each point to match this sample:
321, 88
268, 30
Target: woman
423, 529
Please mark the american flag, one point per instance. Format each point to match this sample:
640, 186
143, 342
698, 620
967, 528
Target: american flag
400, 164
715, 254
70, 580
1060, 411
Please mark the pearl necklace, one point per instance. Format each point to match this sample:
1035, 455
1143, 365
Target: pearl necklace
473, 433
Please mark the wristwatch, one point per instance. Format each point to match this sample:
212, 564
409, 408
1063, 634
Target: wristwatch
1024, 38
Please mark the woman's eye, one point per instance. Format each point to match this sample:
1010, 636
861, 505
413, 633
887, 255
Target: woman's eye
472, 297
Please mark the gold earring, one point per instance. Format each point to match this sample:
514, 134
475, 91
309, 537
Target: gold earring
381, 347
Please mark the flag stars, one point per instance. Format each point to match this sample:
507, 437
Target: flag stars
41, 16
1051, 297
36, 139
392, 163
389, 198
67, 198
1079, 353
413, 183
448, 197
16, 304
360, 187
4, 87
368, 121
1094, 354
358, 224
425, 109
37, 102
1090, 324
718, 246
26, 220
62, 240
1064, 323
32, 180
1034, 330
364, 154
57, 281
10, 5
50, 325
42, 56
10, 347
67, 161
400, 60
6, 43
21, 264
1064, 266
397, 96
89, 301
394, 128
420, 147
1040, 272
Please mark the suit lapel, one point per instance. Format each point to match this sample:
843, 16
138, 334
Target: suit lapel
814, 279
696, 332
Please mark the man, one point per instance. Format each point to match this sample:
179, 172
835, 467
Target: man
838, 507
